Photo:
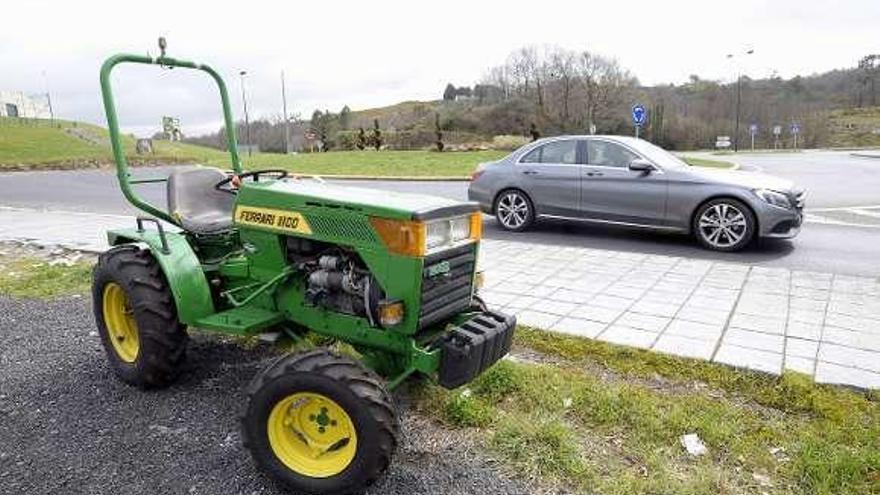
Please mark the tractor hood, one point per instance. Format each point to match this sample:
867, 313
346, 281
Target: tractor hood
374, 202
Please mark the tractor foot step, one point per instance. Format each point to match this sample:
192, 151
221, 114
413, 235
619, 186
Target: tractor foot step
244, 320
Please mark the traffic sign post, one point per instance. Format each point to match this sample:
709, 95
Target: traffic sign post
639, 116
795, 130
753, 129
777, 131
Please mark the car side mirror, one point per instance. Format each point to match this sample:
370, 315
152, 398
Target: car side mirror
641, 165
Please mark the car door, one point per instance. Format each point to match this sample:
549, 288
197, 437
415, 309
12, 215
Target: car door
610, 191
550, 174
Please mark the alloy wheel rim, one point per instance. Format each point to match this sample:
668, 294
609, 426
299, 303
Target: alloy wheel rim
513, 210
723, 225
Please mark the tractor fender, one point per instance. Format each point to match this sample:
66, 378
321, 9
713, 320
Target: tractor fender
192, 294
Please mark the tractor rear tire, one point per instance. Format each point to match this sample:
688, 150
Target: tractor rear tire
318, 422
137, 318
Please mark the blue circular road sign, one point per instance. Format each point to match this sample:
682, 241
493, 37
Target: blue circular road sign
639, 114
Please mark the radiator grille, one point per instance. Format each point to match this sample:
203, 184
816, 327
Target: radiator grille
446, 284
354, 230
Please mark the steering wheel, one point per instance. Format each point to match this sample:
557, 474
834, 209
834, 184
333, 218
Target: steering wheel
235, 180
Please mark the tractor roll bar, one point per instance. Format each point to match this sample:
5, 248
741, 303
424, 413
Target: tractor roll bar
122, 172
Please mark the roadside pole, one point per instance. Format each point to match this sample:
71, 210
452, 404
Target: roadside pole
286, 121
753, 129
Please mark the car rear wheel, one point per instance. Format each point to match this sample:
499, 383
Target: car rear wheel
724, 225
514, 211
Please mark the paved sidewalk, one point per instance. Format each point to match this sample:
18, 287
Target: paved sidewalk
767, 319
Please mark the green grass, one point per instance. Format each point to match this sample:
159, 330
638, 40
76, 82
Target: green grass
374, 163
855, 127
41, 144
705, 162
35, 277
608, 419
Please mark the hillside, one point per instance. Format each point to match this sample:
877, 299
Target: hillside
854, 127
36, 143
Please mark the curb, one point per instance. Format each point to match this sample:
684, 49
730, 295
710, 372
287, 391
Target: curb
409, 178
875, 156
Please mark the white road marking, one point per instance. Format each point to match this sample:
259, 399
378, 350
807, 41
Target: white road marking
867, 213
810, 218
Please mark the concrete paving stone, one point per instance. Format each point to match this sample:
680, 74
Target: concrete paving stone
768, 288
674, 287
804, 330
675, 277
637, 282
626, 291
655, 308
711, 303
848, 356
809, 293
721, 283
589, 285
572, 296
694, 330
571, 274
497, 298
578, 327
754, 359
537, 319
703, 315
716, 292
511, 288
806, 316
754, 340
613, 302
554, 307
854, 309
761, 310
768, 323
522, 278
852, 322
806, 304
850, 338
543, 291
596, 313
844, 375
801, 347
769, 271
799, 364
619, 334
523, 302
676, 298
643, 322
683, 346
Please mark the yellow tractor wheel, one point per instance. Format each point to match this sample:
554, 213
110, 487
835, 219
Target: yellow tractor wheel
318, 422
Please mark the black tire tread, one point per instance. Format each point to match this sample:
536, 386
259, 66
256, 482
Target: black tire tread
366, 385
163, 338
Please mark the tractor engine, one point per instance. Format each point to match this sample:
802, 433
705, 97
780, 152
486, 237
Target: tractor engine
336, 278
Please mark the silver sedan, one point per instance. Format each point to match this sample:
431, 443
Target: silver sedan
628, 181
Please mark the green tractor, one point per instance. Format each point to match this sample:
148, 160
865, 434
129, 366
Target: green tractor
393, 276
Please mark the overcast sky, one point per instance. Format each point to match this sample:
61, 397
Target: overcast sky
369, 53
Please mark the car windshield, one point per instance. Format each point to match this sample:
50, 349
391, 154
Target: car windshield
656, 154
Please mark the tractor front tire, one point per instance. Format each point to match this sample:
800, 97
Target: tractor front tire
137, 318
318, 422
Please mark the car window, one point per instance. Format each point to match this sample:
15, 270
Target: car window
608, 154
564, 152
533, 156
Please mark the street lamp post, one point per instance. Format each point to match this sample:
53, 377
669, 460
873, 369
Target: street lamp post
247, 122
738, 101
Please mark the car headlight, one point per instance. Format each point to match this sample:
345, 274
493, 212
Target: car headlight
774, 198
417, 238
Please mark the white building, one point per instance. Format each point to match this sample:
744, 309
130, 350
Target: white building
17, 104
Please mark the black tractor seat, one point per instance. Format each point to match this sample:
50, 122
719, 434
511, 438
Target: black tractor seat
194, 201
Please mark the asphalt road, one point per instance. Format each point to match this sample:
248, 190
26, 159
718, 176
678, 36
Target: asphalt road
838, 237
67, 426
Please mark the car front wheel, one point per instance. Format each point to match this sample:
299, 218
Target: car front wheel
724, 225
514, 211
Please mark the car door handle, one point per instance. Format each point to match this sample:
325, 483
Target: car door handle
530, 172
595, 174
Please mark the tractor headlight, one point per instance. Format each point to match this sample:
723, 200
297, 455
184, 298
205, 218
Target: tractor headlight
774, 198
417, 238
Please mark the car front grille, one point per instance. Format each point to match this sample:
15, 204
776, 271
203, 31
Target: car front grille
446, 283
